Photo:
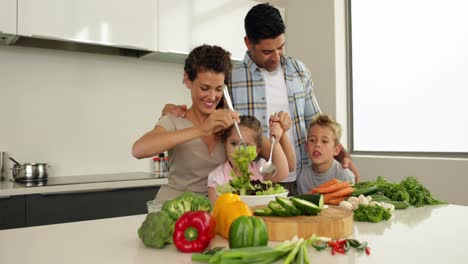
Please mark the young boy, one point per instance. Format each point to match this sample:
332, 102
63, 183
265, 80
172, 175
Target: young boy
323, 144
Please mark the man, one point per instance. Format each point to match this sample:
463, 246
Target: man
267, 82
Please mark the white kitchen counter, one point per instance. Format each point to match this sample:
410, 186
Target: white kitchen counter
431, 234
9, 188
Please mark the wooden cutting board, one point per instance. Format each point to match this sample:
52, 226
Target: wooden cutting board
334, 222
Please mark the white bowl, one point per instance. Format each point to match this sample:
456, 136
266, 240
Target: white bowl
255, 200
154, 206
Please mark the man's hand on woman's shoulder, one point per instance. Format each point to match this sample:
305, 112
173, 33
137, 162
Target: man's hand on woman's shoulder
347, 163
174, 110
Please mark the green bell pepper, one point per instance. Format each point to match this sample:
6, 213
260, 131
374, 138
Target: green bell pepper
248, 231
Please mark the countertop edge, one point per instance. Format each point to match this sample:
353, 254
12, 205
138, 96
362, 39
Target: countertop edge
110, 185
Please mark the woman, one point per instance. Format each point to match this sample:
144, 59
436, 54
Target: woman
194, 146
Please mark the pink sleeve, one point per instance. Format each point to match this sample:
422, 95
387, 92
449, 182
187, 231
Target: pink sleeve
216, 176
255, 169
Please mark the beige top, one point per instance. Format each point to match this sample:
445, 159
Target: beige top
190, 162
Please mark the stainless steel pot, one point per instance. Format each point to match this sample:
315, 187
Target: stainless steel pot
28, 172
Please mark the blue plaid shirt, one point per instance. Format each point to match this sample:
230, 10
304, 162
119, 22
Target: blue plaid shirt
247, 89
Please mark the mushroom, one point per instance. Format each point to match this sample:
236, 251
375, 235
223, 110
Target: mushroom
346, 204
354, 202
363, 200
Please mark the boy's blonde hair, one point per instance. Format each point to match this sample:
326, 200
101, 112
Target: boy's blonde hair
325, 120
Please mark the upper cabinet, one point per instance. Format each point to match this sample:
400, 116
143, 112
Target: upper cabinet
170, 28
185, 24
8, 16
120, 23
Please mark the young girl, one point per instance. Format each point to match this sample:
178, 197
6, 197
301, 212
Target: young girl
251, 130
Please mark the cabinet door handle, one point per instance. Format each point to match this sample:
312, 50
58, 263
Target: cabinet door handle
77, 192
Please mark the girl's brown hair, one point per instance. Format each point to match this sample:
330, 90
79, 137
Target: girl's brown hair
250, 122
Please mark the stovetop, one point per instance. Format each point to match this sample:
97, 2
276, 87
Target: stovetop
90, 179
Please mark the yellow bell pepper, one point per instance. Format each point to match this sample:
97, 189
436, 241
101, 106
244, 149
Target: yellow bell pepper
228, 207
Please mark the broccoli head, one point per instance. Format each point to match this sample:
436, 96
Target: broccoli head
157, 230
201, 203
188, 201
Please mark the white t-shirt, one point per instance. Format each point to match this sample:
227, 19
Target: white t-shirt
277, 100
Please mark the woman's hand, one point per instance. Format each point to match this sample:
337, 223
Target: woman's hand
218, 120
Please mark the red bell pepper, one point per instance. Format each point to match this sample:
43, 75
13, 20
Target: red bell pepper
193, 231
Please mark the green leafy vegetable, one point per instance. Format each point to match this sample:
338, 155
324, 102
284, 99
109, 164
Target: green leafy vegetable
419, 195
409, 190
242, 156
241, 184
393, 191
275, 189
370, 213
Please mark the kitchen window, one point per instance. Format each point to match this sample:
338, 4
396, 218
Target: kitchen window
408, 76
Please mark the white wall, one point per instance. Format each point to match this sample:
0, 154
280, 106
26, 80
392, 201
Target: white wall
320, 43
81, 112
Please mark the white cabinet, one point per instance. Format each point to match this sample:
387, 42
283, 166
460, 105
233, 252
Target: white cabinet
121, 23
8, 16
185, 24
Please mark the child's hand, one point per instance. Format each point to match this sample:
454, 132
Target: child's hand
283, 119
275, 130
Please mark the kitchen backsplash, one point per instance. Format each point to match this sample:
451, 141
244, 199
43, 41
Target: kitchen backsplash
81, 112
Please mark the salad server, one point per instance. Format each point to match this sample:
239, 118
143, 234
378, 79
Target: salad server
269, 169
227, 97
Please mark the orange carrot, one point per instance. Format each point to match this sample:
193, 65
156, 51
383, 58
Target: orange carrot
325, 184
333, 188
335, 200
343, 192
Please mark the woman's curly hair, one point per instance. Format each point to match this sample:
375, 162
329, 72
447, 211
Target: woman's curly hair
208, 58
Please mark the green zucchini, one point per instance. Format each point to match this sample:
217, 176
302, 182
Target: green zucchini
278, 209
315, 198
385, 199
263, 212
306, 207
288, 205
399, 204
379, 197
365, 191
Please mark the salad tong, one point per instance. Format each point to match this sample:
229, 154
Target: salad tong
227, 97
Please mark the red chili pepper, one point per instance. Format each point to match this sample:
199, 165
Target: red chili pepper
333, 251
340, 250
194, 231
368, 250
340, 242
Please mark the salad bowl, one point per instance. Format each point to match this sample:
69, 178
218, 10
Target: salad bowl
255, 200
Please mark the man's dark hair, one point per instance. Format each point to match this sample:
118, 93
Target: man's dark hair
263, 21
